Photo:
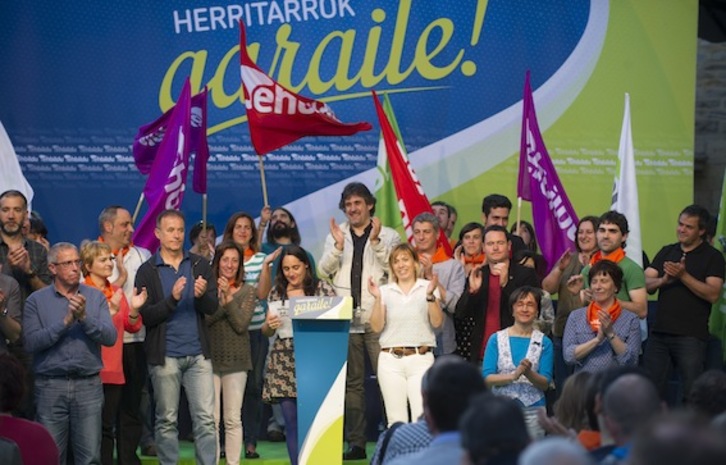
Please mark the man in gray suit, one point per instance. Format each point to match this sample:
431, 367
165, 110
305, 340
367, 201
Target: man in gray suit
450, 383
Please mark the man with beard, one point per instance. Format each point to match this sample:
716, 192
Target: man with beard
27, 262
282, 231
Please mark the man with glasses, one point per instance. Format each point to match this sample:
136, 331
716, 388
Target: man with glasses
64, 326
27, 262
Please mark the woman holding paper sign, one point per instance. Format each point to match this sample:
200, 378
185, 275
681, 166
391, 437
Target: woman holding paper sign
405, 312
294, 278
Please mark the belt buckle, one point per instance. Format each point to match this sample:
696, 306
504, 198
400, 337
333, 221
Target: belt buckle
396, 354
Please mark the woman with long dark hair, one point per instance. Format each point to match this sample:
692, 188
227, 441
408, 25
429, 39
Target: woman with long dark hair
295, 278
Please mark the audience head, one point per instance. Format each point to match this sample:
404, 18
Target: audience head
497, 244
495, 209
571, 406
692, 225
13, 212
242, 231
587, 234
492, 430
90, 251
708, 393
115, 226
64, 264
170, 231
442, 211
612, 231
294, 264
678, 439
229, 262
283, 224
426, 231
358, 204
526, 295
38, 228
526, 232
609, 269
403, 252
555, 451
630, 402
471, 237
198, 230
448, 386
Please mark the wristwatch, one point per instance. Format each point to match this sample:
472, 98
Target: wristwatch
31, 274
430, 298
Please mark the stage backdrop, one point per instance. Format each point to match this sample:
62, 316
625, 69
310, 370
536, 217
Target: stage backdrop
78, 78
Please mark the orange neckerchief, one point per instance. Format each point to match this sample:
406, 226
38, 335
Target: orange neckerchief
589, 439
123, 250
440, 256
249, 253
107, 289
616, 256
475, 260
593, 308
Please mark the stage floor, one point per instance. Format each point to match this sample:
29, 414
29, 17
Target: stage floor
271, 453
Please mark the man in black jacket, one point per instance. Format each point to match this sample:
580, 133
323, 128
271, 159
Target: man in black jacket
487, 291
181, 291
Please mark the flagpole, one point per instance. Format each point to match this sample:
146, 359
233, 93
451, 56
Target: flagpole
138, 208
204, 213
264, 183
519, 214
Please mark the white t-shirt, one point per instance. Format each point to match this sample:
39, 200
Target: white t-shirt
407, 316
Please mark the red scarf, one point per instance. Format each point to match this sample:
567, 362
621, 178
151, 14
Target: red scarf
107, 289
592, 309
615, 256
123, 250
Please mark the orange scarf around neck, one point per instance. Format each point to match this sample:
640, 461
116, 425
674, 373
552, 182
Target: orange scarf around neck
474, 260
440, 256
249, 253
615, 256
123, 250
592, 309
107, 289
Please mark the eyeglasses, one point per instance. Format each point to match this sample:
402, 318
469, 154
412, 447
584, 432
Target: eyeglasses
69, 264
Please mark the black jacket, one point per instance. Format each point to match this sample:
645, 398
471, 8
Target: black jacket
474, 305
158, 307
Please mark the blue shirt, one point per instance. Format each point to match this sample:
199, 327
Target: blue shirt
66, 351
182, 333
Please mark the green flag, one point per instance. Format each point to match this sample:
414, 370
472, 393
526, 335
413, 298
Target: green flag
717, 323
387, 208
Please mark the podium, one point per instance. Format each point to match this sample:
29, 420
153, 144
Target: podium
320, 327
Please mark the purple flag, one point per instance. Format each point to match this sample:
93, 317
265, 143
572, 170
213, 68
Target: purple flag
555, 221
168, 173
149, 137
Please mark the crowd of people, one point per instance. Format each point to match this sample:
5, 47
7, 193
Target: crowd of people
469, 352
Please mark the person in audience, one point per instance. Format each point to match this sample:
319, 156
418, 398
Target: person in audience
493, 431
116, 228
450, 384
628, 403
64, 327
37, 230
495, 209
525, 230
97, 268
295, 278
241, 230
354, 251
10, 311
555, 451
676, 439
181, 290
569, 265
230, 343
708, 394
602, 335
26, 261
547, 309
405, 313
449, 272
33, 439
689, 277
518, 359
442, 211
487, 291
470, 253
202, 237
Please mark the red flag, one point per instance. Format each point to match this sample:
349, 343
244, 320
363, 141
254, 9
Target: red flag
148, 140
411, 197
278, 116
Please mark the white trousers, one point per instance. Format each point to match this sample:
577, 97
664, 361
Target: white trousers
232, 387
400, 383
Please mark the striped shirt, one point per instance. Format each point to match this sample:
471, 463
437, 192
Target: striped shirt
253, 268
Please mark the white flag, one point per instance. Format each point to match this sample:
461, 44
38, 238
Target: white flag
11, 176
625, 190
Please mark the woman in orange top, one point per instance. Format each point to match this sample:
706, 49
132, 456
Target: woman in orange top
97, 268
